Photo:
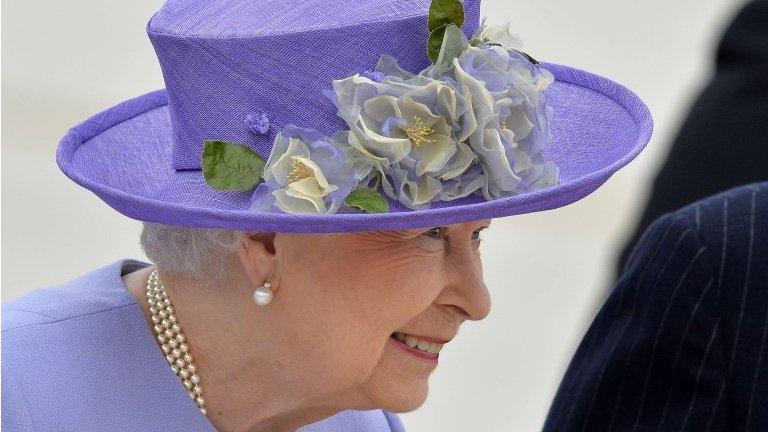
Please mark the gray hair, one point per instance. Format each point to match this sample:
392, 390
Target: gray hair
197, 253
200, 254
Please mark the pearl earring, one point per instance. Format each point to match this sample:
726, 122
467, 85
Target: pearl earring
263, 294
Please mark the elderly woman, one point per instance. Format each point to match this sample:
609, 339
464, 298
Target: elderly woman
313, 290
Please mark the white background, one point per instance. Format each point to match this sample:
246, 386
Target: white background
548, 272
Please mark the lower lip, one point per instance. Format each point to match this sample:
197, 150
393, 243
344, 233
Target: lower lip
419, 354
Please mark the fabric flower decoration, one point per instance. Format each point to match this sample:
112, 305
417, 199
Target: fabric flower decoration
498, 34
509, 106
307, 173
257, 122
412, 128
476, 121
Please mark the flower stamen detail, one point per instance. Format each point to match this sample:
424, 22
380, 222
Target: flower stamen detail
418, 132
299, 171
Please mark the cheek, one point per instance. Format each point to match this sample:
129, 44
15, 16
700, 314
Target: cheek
394, 288
376, 287
344, 304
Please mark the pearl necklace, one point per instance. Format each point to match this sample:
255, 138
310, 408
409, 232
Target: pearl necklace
172, 340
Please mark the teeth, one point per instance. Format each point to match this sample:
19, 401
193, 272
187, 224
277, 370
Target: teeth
422, 345
411, 341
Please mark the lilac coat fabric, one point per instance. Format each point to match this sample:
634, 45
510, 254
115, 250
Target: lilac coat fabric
80, 357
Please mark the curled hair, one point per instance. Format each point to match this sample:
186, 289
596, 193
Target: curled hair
197, 253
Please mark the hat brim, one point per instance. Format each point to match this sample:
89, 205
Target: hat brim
123, 155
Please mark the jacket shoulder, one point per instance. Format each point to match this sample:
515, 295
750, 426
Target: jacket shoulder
736, 210
48, 338
96, 291
733, 226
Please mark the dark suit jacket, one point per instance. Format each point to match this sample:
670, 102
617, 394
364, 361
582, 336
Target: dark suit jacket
681, 344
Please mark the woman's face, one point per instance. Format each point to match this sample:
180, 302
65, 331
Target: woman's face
345, 301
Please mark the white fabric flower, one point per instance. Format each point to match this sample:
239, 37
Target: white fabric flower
499, 34
308, 173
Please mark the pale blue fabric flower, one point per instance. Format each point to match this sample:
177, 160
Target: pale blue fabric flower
412, 128
476, 120
509, 107
308, 173
374, 75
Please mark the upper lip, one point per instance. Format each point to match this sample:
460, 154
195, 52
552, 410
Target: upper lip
432, 339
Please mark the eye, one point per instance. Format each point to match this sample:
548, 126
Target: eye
476, 233
436, 232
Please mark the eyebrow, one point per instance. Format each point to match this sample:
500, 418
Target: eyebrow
478, 229
407, 233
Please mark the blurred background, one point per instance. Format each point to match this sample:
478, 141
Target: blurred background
547, 272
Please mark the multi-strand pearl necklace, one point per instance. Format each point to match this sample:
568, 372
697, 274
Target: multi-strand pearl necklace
172, 340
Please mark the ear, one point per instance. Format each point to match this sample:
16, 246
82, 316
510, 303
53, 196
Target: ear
258, 258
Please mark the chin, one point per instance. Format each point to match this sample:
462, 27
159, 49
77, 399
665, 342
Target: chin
404, 406
400, 399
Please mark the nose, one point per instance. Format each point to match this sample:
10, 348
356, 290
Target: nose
465, 287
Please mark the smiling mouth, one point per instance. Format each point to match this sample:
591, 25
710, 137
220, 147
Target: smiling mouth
417, 346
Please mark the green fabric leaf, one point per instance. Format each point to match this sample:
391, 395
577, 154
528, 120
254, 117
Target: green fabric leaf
434, 43
367, 199
444, 12
229, 166
454, 43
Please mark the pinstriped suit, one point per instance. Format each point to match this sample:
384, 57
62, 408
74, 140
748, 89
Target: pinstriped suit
681, 344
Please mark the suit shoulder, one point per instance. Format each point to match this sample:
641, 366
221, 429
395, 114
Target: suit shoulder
735, 210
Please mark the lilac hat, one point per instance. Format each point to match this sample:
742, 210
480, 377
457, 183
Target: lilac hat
340, 116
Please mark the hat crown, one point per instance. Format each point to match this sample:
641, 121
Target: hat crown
225, 60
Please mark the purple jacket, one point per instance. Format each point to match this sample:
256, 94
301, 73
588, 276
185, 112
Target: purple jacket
80, 357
